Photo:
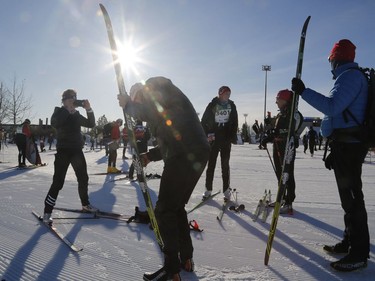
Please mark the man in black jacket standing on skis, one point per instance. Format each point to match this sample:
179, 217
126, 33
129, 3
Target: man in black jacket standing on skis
68, 121
220, 123
183, 146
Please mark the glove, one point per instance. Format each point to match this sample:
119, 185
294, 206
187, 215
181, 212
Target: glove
298, 86
272, 133
328, 162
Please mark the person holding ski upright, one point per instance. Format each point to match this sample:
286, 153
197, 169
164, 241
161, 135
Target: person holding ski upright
183, 146
68, 121
279, 137
220, 123
348, 150
112, 138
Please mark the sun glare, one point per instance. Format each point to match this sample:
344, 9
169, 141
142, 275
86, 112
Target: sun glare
129, 57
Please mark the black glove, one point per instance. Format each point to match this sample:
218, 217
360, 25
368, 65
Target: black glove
328, 162
272, 133
297, 86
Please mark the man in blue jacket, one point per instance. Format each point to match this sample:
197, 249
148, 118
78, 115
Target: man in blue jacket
348, 150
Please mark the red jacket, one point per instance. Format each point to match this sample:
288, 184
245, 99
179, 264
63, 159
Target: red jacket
115, 133
26, 130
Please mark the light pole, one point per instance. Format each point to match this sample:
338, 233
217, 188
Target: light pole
265, 68
245, 132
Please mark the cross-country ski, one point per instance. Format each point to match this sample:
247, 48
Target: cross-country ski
130, 125
289, 154
203, 202
57, 233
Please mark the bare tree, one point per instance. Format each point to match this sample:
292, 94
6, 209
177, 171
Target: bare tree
4, 103
19, 104
102, 120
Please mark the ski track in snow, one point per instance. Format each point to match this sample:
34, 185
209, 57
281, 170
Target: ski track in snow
232, 249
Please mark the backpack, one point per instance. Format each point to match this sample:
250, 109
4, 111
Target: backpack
107, 130
368, 126
140, 217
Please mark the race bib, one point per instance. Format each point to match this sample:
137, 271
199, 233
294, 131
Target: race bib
222, 113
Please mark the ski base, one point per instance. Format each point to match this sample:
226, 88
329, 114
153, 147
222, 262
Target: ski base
57, 233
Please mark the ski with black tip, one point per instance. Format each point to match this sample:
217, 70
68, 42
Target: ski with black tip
289, 149
57, 233
105, 174
98, 214
219, 217
129, 180
28, 167
203, 202
129, 123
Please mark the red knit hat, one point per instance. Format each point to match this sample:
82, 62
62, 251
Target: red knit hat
344, 50
285, 95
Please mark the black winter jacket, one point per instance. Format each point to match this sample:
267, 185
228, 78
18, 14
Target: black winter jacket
171, 118
226, 133
68, 127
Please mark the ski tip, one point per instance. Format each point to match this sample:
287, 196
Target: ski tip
306, 23
266, 259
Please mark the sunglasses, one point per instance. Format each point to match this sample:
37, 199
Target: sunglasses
70, 97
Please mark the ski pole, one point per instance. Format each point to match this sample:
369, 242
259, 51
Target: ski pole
273, 165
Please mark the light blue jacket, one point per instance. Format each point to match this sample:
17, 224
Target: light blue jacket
349, 91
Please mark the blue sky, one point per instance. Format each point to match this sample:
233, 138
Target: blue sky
199, 44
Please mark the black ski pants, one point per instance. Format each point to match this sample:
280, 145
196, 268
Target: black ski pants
20, 140
347, 164
224, 149
179, 178
64, 158
278, 158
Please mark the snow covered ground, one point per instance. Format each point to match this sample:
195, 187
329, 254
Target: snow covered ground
229, 250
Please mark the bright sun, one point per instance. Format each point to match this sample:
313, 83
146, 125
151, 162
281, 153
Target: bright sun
129, 57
